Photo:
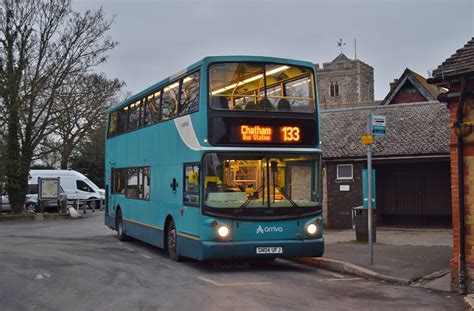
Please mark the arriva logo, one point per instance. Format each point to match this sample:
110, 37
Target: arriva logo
261, 230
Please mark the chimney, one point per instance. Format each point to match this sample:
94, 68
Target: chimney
394, 84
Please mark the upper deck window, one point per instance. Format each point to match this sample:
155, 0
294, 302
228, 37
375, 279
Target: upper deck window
189, 100
263, 87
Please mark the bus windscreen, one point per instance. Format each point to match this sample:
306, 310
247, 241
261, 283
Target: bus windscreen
261, 87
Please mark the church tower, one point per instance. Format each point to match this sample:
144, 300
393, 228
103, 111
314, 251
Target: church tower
345, 81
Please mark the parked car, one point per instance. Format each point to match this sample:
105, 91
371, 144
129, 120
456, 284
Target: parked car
4, 203
32, 201
75, 185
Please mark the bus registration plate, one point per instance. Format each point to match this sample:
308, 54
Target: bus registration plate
269, 250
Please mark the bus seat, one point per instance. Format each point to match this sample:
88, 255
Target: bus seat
251, 106
265, 104
284, 105
219, 102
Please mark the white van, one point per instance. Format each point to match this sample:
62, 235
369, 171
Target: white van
75, 184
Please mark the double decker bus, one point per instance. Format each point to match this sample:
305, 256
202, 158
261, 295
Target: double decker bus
220, 161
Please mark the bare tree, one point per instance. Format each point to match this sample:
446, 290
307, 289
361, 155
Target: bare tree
84, 101
42, 44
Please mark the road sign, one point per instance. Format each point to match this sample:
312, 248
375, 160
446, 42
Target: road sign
366, 139
378, 126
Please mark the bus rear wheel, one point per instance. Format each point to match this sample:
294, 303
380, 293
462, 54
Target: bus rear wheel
119, 226
171, 242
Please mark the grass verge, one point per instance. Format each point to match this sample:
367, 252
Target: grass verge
29, 217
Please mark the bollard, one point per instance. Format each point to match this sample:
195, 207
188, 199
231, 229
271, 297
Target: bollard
93, 205
84, 207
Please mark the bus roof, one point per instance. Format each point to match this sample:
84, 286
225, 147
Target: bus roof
205, 61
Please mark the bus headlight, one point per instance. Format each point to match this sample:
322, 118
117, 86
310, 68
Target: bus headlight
311, 229
223, 232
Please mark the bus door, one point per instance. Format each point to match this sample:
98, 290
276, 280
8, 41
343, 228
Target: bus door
190, 212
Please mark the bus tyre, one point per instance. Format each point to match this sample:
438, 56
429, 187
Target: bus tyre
171, 242
119, 226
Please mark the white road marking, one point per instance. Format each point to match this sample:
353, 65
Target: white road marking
167, 266
41, 276
146, 256
232, 284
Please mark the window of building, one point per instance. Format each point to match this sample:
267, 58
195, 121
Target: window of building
191, 184
169, 103
334, 91
189, 101
344, 171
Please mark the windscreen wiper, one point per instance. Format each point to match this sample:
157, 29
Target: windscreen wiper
246, 203
285, 195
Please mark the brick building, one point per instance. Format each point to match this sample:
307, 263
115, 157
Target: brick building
343, 82
411, 88
411, 164
457, 74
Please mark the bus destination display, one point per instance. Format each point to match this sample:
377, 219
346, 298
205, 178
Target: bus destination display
269, 134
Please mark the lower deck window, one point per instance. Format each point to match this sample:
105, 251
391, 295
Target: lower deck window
191, 184
133, 182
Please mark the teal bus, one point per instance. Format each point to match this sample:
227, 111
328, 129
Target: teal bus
219, 161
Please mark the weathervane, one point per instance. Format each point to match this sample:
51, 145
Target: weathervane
340, 43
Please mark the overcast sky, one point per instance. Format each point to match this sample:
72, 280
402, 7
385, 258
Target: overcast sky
161, 37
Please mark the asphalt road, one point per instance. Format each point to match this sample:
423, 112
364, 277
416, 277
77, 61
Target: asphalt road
80, 265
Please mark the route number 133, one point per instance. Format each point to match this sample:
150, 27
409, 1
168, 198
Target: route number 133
291, 133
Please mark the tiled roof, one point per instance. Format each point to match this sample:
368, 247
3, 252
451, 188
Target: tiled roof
341, 58
412, 130
459, 63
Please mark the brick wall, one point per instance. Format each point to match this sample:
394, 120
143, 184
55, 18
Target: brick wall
408, 94
340, 203
468, 194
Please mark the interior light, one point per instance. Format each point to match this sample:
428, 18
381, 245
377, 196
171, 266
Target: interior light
253, 78
273, 71
187, 79
150, 97
172, 86
157, 94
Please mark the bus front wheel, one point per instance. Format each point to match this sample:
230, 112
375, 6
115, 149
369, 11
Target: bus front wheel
119, 226
171, 242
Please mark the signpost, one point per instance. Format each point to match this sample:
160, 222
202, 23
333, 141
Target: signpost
376, 127
48, 190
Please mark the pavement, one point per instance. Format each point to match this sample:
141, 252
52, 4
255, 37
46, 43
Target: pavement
419, 257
